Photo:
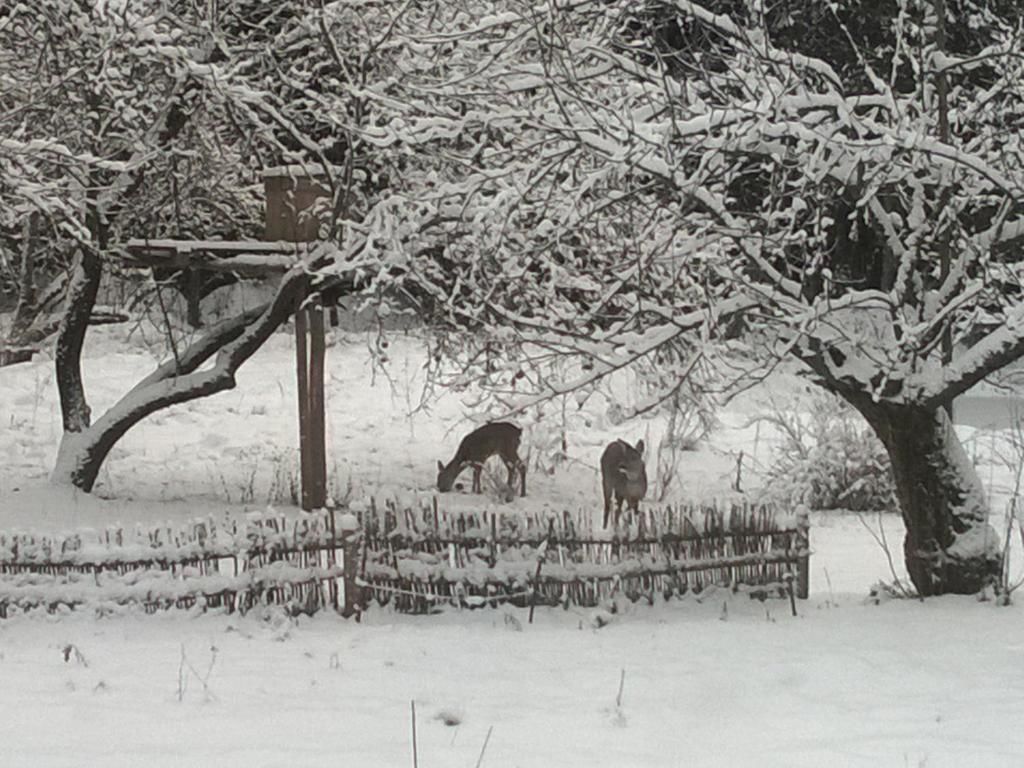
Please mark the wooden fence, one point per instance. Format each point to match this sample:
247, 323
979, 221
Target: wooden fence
264, 559
412, 559
419, 558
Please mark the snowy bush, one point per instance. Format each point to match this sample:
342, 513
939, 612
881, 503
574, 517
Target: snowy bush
828, 458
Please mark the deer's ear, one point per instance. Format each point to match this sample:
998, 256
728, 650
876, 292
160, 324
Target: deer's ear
640, 447
440, 467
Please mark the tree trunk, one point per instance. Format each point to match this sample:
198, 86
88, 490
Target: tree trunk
82, 451
81, 454
85, 283
949, 547
25, 309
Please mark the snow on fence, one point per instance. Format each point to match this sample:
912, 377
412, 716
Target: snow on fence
413, 559
265, 559
417, 559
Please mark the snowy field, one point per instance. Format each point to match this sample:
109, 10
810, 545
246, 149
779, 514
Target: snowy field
722, 681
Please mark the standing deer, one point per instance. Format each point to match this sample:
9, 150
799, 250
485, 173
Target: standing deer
497, 437
623, 475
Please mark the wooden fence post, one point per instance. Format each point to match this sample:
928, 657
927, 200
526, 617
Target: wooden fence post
351, 537
541, 555
803, 563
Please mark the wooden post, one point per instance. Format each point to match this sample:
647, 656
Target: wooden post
803, 541
309, 365
789, 590
195, 280
291, 215
541, 554
350, 540
317, 443
302, 377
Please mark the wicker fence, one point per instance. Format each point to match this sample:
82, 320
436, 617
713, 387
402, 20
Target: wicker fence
264, 559
412, 559
419, 558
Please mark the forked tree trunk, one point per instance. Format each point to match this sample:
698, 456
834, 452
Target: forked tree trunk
949, 547
82, 451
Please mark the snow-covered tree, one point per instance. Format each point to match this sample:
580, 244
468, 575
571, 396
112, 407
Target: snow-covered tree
137, 119
617, 184
845, 179
99, 138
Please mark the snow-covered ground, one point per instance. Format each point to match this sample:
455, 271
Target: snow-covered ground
720, 682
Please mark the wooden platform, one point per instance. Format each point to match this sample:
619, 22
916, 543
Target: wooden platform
252, 258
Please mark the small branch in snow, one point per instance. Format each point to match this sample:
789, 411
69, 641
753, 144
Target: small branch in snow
182, 682
185, 667
882, 542
487, 738
415, 756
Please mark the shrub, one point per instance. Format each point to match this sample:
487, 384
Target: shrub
829, 458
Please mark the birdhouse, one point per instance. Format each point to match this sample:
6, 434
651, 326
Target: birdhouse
297, 200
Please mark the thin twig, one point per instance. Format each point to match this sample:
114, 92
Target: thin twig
884, 544
831, 594
204, 680
415, 756
487, 738
182, 682
1005, 576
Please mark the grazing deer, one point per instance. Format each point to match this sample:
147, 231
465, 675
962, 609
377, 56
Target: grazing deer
623, 475
499, 438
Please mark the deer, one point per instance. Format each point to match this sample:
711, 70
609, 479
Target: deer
496, 437
623, 476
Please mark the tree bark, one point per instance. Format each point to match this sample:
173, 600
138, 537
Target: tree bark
85, 284
24, 310
950, 546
